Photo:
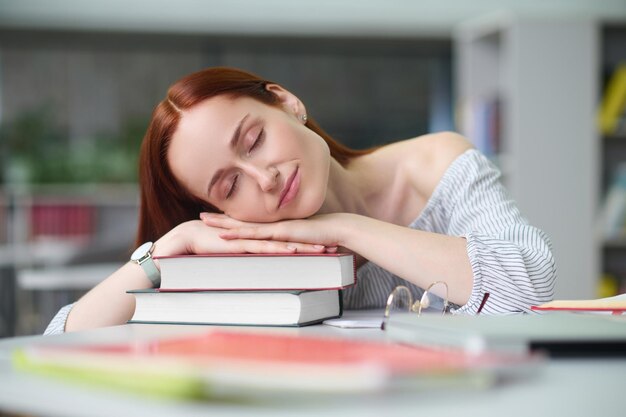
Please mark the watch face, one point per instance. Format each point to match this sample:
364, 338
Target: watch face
141, 251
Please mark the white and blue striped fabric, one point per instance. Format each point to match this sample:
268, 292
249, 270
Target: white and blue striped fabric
511, 260
57, 325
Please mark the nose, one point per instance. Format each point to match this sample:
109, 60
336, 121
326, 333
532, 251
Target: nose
266, 177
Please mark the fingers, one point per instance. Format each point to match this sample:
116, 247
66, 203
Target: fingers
269, 246
221, 220
247, 233
260, 233
281, 237
218, 220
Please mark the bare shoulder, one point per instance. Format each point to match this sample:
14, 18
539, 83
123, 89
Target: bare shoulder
426, 158
438, 150
402, 176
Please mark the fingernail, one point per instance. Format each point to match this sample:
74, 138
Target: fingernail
291, 248
204, 215
318, 246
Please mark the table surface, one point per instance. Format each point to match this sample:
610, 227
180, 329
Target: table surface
581, 387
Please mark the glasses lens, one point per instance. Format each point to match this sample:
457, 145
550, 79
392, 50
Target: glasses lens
435, 299
399, 300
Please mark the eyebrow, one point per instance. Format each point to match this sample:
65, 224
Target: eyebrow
234, 140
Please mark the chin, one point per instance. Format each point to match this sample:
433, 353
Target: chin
314, 206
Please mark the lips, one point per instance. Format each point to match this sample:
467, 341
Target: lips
290, 189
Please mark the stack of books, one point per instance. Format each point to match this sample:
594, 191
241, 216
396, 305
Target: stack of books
247, 289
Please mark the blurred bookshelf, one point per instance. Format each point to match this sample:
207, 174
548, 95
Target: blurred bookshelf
525, 96
613, 144
59, 241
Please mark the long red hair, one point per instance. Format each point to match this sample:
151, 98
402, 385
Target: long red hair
164, 203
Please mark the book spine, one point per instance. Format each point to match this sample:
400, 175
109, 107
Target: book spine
340, 294
614, 210
613, 102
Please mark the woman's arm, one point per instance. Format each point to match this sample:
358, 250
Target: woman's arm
108, 303
482, 244
417, 256
414, 255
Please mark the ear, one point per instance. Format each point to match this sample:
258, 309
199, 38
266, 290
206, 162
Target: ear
290, 103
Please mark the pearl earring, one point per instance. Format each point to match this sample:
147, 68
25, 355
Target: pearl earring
304, 118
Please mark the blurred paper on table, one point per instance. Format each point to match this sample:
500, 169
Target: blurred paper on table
247, 364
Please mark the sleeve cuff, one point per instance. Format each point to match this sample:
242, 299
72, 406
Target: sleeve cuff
473, 252
57, 325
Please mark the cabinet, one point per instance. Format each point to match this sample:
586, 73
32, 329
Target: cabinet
542, 76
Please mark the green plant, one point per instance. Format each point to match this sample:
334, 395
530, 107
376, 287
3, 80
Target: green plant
35, 149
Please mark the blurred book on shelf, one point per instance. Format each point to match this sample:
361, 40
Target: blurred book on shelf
481, 123
4, 220
608, 286
613, 216
612, 112
62, 220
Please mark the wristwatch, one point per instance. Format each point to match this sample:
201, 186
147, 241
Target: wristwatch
143, 256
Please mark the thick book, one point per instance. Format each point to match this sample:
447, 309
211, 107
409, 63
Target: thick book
609, 305
257, 272
245, 308
558, 335
231, 363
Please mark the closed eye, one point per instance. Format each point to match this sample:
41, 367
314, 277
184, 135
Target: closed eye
257, 142
233, 187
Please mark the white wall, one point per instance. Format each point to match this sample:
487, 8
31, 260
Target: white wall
322, 17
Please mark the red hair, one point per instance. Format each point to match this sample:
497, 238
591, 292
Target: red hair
164, 202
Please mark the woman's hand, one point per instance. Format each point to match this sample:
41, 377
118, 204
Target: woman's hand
195, 237
321, 229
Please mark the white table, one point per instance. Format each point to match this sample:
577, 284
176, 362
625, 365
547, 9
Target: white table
562, 388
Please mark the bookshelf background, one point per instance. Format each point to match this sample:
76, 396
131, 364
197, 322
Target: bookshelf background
542, 73
59, 241
612, 53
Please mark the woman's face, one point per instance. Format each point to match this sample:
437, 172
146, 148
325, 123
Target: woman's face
252, 161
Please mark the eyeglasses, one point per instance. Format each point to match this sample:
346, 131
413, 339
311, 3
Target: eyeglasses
433, 301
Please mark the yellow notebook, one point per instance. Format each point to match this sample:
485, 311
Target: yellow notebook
614, 101
615, 305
